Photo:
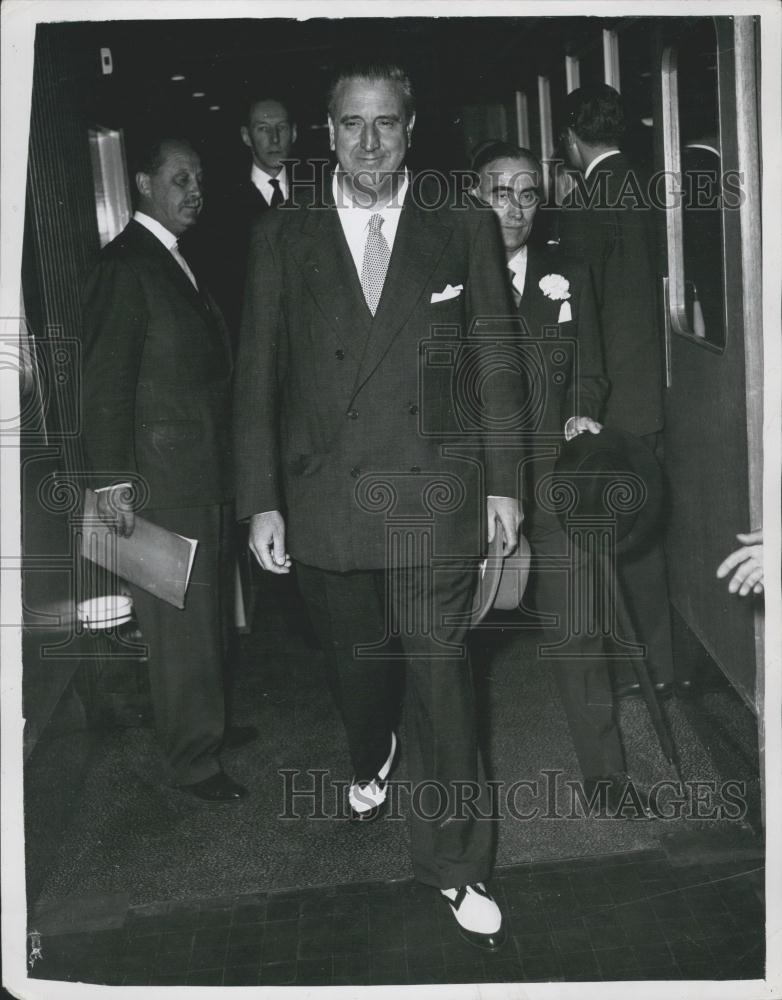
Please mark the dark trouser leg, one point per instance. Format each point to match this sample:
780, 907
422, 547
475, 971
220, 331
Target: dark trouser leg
643, 577
346, 611
454, 847
186, 649
580, 667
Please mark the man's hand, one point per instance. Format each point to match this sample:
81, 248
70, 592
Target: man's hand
510, 516
578, 425
748, 563
114, 508
267, 541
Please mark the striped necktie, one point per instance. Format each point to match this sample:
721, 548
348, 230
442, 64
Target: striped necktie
375, 265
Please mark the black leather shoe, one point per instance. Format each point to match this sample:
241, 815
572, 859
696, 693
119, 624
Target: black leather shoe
238, 736
632, 689
218, 788
474, 907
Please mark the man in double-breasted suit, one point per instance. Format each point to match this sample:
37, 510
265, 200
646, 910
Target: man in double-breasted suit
362, 407
566, 380
157, 372
607, 222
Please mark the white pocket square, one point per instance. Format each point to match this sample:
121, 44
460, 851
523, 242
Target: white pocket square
449, 292
565, 315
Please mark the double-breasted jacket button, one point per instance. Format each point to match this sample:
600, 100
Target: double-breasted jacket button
412, 408
339, 354
353, 414
355, 472
415, 468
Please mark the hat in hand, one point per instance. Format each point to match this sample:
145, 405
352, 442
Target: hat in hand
502, 580
615, 478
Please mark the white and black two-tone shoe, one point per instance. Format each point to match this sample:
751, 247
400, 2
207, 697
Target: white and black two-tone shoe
478, 917
366, 798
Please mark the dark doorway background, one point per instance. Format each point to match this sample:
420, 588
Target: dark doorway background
454, 62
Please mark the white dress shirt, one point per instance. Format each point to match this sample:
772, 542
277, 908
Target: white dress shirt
169, 241
599, 159
355, 219
518, 265
263, 182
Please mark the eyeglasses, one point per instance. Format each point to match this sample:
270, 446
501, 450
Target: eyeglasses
527, 198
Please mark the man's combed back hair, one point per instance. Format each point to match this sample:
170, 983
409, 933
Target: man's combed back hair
262, 98
498, 149
596, 114
388, 71
149, 154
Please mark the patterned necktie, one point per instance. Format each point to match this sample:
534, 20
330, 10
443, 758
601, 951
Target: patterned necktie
376, 258
177, 255
277, 198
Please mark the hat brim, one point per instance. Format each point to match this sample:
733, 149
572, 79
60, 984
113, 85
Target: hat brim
620, 452
502, 580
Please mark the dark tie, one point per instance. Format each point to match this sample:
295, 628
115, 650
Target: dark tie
277, 198
514, 287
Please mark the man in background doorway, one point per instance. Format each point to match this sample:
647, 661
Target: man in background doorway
221, 242
555, 301
612, 232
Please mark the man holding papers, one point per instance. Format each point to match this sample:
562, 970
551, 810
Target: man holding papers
157, 372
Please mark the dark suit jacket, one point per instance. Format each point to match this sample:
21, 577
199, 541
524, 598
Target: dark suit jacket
618, 243
564, 362
326, 394
157, 372
575, 382
218, 246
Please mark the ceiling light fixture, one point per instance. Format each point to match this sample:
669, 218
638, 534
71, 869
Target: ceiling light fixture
214, 107
198, 93
177, 77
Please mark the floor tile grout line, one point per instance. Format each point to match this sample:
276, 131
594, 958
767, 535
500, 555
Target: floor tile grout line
671, 892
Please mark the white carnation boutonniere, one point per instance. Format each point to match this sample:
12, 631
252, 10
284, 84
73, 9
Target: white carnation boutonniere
554, 286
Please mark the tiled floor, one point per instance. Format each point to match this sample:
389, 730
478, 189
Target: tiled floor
633, 916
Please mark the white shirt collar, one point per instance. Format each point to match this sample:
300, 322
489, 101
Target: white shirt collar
599, 159
166, 237
343, 200
263, 182
518, 261
355, 218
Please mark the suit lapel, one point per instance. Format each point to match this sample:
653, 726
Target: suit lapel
328, 269
537, 310
199, 297
255, 201
168, 264
419, 244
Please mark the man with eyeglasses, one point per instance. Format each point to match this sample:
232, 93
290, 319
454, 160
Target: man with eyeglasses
566, 380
